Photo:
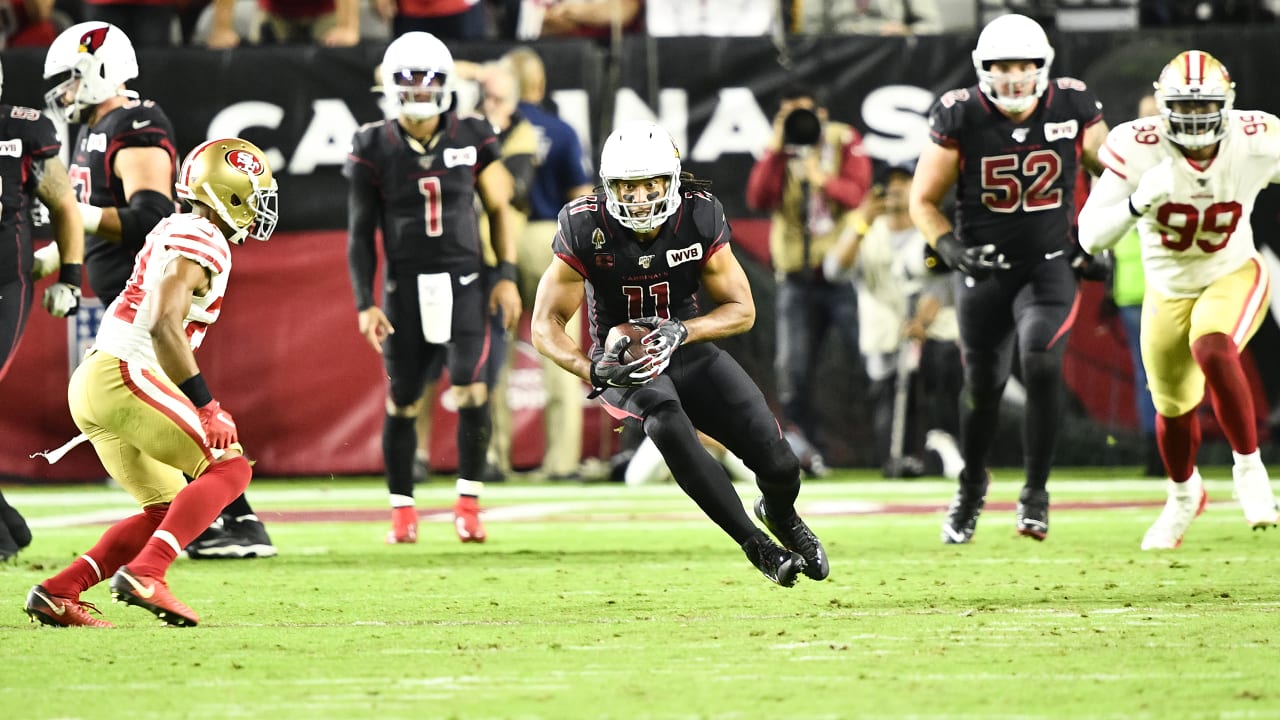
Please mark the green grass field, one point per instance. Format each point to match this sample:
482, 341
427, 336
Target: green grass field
600, 601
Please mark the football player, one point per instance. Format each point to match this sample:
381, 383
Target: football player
417, 174
1012, 145
122, 169
638, 252
1188, 179
29, 169
140, 397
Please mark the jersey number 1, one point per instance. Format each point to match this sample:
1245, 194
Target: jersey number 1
430, 189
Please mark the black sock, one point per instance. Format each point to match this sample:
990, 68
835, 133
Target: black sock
474, 429
399, 441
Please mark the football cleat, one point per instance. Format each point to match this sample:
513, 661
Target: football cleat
1032, 519
779, 565
1253, 490
49, 609
966, 506
796, 536
151, 594
1185, 503
404, 526
232, 537
466, 519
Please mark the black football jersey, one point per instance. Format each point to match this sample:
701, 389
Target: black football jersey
1017, 180
26, 136
139, 123
427, 193
629, 279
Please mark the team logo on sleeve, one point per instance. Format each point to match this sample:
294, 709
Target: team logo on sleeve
597, 238
245, 162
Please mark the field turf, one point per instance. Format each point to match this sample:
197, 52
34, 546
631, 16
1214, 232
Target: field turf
600, 601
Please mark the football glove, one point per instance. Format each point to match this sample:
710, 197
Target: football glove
610, 372
46, 261
219, 428
63, 297
977, 262
1154, 187
668, 334
1095, 268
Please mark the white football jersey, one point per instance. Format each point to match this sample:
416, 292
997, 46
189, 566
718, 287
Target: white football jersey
1201, 232
125, 326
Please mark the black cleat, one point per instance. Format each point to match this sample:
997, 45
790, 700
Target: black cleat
966, 506
797, 536
1033, 513
232, 538
779, 565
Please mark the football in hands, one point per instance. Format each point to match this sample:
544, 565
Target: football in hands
635, 351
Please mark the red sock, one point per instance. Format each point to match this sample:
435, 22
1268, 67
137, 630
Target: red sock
1179, 440
119, 544
194, 508
1219, 359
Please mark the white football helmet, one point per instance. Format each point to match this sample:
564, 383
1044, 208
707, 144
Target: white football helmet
417, 76
1012, 37
1195, 77
635, 151
232, 177
88, 62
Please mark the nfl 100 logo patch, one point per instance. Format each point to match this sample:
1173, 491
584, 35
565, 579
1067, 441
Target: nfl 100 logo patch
82, 328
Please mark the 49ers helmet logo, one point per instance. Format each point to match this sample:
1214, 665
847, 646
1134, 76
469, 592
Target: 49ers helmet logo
246, 162
92, 40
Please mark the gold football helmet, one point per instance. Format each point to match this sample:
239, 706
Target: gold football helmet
232, 177
1195, 95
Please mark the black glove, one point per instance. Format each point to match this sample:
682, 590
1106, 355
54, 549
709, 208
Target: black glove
977, 262
1097, 268
609, 371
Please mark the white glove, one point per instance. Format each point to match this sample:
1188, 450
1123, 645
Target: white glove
1154, 187
61, 299
46, 262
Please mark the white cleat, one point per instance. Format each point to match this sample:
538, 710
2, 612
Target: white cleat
1186, 501
1253, 490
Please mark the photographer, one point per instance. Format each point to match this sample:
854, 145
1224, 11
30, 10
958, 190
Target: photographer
812, 173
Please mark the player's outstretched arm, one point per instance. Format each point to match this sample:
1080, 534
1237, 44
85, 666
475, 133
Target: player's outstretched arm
1107, 214
560, 293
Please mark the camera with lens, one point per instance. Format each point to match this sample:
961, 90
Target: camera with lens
801, 129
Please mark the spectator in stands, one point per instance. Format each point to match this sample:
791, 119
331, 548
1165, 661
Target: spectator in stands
810, 175
30, 24
435, 309
1189, 182
907, 328
593, 19
333, 23
446, 19
1128, 287
561, 173
1012, 247
128, 180
149, 23
869, 17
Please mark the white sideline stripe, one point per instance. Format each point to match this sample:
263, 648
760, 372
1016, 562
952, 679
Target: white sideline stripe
96, 517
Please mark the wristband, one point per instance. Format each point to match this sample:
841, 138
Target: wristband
92, 217
507, 271
859, 223
196, 390
70, 273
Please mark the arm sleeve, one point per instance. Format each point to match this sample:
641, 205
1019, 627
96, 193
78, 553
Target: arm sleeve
362, 254
1105, 217
764, 185
145, 210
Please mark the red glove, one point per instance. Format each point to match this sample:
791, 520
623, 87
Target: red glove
219, 428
